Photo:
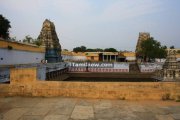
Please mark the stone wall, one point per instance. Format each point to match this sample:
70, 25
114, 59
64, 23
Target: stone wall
24, 83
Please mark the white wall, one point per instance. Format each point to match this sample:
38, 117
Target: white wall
73, 58
9, 57
79, 58
130, 58
66, 57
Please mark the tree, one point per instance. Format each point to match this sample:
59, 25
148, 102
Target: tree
94, 50
110, 50
79, 49
37, 42
151, 49
172, 47
4, 27
29, 39
90, 50
65, 50
13, 39
99, 50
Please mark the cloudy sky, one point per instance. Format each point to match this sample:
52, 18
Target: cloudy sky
96, 23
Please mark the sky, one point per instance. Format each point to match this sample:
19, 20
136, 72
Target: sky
96, 23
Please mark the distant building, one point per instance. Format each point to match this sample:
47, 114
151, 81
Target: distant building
126, 56
102, 56
73, 56
99, 56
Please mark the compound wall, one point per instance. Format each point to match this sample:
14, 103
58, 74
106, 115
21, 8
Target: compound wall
24, 83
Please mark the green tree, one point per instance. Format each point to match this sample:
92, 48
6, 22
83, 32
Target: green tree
29, 39
13, 39
110, 50
151, 49
99, 50
79, 49
37, 42
90, 50
172, 47
4, 27
94, 50
65, 50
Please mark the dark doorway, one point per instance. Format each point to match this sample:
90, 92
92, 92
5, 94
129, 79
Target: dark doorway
100, 57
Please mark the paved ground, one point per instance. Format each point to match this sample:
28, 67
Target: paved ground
58, 108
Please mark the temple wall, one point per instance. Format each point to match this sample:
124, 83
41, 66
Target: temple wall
24, 83
21, 46
11, 57
18, 53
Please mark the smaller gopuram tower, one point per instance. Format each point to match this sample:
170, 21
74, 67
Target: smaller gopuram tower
49, 39
171, 68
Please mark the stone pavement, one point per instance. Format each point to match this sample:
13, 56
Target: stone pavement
60, 108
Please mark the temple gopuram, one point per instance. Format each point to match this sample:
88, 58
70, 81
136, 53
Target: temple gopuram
49, 39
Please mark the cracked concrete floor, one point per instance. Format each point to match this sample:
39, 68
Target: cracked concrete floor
60, 108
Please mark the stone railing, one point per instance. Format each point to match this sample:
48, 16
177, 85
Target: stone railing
150, 67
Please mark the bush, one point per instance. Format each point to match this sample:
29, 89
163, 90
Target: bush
10, 47
166, 97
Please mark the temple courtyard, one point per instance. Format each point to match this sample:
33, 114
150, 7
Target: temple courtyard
60, 108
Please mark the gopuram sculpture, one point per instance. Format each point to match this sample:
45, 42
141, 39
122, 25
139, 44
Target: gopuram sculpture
49, 39
171, 68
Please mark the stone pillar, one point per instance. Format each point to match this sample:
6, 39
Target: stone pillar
110, 57
172, 74
168, 74
115, 58
165, 74
103, 58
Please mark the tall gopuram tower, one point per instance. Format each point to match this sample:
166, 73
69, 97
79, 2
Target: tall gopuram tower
142, 37
49, 39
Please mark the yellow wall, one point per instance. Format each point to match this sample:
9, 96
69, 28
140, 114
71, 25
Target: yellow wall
21, 46
24, 83
96, 58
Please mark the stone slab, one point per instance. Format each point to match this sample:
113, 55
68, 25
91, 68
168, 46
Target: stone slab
83, 113
29, 117
164, 117
38, 111
176, 116
56, 117
14, 114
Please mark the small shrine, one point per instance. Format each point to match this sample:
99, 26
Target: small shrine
171, 68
